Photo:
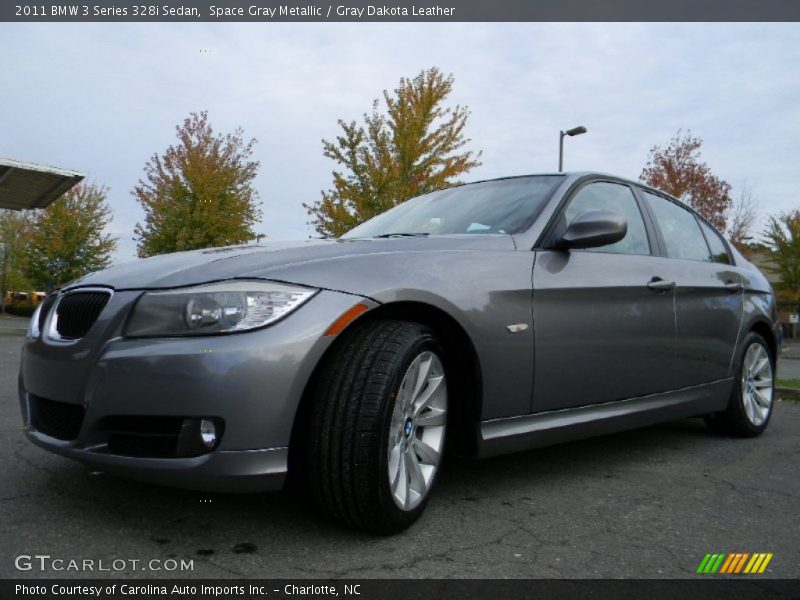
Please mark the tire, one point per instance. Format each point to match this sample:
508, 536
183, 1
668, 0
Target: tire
363, 424
752, 398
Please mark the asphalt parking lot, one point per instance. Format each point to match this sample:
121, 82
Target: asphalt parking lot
647, 503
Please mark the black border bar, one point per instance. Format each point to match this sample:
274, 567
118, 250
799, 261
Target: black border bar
400, 10
700, 588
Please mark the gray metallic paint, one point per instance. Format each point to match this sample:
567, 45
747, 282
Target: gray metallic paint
708, 318
601, 334
597, 346
254, 381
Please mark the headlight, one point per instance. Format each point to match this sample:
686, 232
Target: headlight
33, 326
224, 307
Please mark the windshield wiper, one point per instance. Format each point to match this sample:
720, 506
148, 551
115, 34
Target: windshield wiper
390, 235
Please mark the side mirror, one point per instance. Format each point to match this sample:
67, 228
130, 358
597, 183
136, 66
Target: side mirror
593, 228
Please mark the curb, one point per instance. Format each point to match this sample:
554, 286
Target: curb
9, 331
788, 393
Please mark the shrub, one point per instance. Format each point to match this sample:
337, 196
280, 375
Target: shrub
20, 309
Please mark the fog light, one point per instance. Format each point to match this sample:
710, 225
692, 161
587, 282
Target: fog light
208, 433
199, 435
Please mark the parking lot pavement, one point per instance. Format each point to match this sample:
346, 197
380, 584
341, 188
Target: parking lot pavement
10, 325
789, 369
646, 503
790, 348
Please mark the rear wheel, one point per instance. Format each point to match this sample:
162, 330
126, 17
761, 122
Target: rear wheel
750, 406
378, 426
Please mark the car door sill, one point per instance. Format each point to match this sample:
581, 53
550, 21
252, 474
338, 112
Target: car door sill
514, 434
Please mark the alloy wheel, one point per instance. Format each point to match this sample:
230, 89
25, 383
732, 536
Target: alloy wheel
417, 430
757, 384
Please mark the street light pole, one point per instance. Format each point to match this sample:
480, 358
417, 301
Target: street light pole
571, 133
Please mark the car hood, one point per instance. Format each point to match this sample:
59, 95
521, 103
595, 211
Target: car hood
276, 260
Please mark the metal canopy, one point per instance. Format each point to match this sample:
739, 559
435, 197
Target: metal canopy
28, 185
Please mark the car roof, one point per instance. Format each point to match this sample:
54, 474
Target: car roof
572, 176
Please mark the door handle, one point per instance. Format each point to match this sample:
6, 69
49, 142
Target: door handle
734, 287
659, 285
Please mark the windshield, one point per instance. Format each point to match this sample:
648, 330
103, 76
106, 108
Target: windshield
502, 206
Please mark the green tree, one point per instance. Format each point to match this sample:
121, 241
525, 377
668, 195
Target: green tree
782, 238
415, 146
679, 170
13, 232
199, 193
66, 240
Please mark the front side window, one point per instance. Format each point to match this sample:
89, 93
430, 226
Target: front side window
617, 198
679, 228
719, 252
500, 206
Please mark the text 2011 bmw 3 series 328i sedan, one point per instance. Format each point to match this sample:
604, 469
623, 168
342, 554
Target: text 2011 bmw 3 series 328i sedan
481, 319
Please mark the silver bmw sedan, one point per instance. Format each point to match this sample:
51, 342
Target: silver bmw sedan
477, 320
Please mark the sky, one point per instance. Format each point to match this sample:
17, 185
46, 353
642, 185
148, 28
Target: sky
101, 98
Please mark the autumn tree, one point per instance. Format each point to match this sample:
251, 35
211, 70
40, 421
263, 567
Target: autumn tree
782, 238
199, 193
679, 170
412, 145
13, 230
67, 239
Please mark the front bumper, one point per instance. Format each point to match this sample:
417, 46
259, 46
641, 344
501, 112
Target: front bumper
252, 381
240, 471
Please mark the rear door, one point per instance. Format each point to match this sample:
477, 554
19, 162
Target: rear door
708, 296
603, 320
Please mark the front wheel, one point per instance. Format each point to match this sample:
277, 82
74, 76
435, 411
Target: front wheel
378, 426
750, 406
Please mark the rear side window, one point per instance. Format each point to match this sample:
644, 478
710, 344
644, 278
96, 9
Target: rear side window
679, 229
719, 252
618, 198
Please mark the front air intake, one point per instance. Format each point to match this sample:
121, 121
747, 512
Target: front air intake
77, 311
60, 420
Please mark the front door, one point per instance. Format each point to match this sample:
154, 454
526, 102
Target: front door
604, 325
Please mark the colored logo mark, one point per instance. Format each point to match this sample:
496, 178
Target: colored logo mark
735, 563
